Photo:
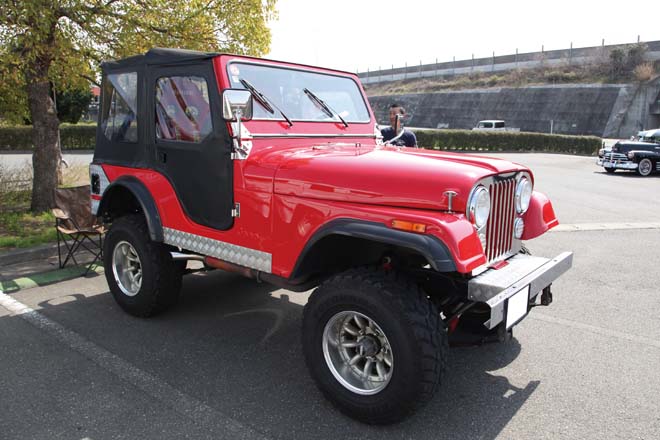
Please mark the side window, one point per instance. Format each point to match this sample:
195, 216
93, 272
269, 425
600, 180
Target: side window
119, 111
182, 109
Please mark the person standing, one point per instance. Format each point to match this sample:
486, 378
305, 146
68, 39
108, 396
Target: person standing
407, 138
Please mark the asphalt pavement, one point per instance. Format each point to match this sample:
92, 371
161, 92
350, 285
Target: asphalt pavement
227, 361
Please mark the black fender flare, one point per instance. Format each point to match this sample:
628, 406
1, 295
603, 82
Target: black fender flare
431, 247
144, 198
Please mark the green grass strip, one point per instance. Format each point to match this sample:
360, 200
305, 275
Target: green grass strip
46, 278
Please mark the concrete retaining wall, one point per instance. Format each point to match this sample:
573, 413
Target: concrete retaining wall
610, 110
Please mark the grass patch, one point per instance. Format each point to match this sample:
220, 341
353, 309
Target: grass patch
24, 229
19, 228
599, 71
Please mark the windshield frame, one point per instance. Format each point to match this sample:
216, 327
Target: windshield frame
305, 70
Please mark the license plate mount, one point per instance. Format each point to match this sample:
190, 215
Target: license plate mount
517, 307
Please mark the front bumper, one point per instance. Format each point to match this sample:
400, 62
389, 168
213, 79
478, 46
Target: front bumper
504, 289
620, 165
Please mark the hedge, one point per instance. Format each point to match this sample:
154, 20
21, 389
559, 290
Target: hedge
83, 137
468, 140
72, 137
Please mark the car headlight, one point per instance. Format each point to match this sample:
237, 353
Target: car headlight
478, 207
518, 228
631, 155
523, 195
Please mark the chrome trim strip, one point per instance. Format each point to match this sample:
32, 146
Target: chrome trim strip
232, 253
623, 165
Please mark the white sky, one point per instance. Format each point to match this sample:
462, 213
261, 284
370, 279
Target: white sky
361, 34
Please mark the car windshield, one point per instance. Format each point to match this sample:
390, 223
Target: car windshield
286, 88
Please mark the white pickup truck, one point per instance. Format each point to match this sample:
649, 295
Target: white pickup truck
493, 125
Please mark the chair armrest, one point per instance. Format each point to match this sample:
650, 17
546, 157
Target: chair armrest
59, 214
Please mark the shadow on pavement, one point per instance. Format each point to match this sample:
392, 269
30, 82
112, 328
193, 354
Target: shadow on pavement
235, 345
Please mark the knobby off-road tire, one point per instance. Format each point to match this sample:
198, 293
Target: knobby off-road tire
413, 335
141, 275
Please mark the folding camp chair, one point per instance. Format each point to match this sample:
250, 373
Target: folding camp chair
77, 228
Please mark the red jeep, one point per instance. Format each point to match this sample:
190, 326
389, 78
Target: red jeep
278, 172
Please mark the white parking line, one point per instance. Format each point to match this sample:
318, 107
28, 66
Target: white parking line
604, 226
151, 385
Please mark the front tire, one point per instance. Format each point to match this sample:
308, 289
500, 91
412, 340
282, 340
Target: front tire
142, 277
610, 170
374, 344
645, 167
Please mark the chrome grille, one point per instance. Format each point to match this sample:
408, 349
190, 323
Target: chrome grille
615, 156
499, 228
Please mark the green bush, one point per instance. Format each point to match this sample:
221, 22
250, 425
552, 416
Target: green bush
468, 140
72, 137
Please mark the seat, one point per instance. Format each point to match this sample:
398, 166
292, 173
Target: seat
77, 229
182, 112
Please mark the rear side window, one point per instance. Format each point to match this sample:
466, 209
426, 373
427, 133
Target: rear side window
499, 125
119, 109
182, 109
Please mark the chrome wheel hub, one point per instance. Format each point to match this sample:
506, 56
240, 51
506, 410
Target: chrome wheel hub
127, 268
358, 353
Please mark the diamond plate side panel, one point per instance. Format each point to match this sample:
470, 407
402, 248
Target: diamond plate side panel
247, 257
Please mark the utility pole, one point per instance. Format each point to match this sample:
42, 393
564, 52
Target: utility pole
516, 57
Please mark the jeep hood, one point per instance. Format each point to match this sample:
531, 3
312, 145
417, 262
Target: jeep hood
406, 177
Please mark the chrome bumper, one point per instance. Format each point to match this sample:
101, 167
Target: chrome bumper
495, 286
616, 164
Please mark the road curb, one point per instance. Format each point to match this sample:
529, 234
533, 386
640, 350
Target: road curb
46, 278
65, 151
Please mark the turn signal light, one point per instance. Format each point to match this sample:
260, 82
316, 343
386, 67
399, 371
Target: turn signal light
408, 226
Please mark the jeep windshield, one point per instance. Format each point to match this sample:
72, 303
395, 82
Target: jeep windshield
286, 89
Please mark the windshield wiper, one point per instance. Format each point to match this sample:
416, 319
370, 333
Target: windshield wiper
325, 107
264, 100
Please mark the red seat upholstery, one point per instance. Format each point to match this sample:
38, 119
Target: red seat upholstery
182, 112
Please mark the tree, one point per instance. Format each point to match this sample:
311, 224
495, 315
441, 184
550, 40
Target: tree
61, 42
71, 104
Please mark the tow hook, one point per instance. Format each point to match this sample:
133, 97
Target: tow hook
546, 296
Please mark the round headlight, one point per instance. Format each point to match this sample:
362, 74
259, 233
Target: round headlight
479, 207
518, 228
523, 195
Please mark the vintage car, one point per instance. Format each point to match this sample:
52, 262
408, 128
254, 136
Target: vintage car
276, 171
642, 155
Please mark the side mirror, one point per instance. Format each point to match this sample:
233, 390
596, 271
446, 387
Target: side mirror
236, 105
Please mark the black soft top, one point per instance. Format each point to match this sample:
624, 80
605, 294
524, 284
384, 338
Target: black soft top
157, 56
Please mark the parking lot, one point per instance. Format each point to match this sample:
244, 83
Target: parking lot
227, 361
